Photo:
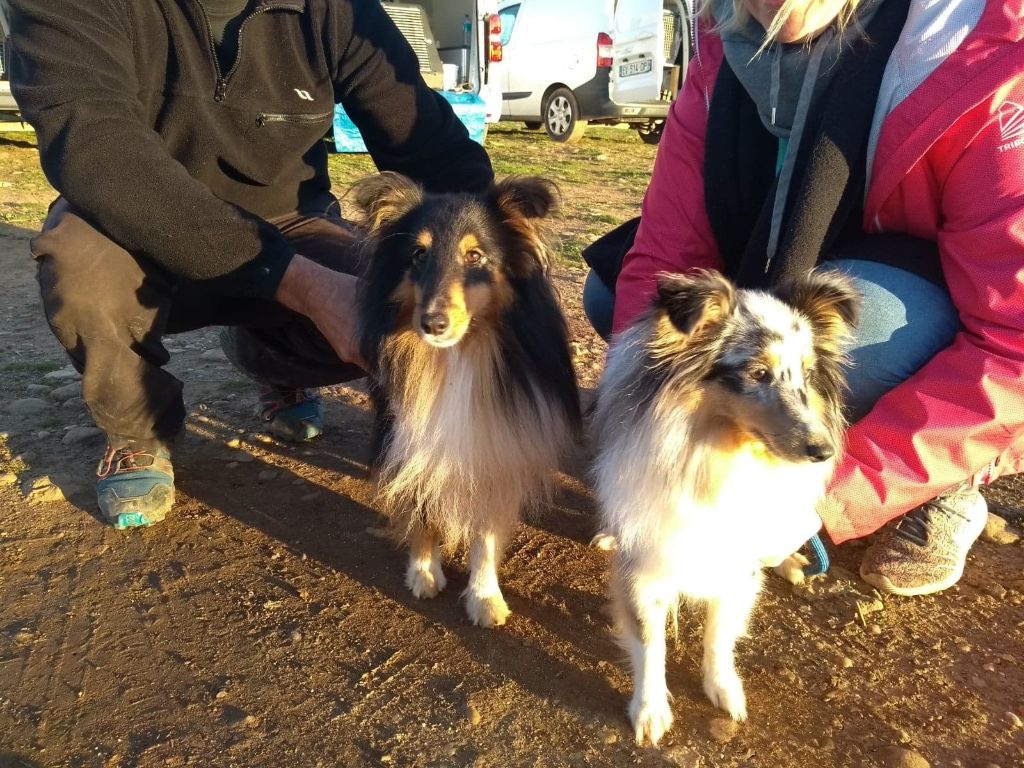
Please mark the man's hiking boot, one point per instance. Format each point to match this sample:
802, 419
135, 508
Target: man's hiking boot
291, 414
925, 550
135, 487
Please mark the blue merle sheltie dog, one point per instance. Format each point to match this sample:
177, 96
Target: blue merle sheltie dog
471, 373
719, 410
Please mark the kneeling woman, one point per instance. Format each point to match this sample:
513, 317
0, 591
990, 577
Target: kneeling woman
885, 137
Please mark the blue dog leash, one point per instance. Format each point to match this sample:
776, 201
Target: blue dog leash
819, 557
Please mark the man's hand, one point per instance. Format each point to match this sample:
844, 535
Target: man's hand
326, 297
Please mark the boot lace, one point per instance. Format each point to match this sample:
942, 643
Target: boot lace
916, 524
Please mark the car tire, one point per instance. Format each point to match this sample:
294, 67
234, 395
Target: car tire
561, 116
651, 133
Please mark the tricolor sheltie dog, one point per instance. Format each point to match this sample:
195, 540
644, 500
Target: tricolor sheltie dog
471, 373
717, 408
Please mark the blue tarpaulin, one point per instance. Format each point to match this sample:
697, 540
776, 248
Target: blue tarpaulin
468, 107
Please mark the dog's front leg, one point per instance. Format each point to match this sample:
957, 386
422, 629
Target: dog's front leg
424, 576
725, 622
640, 616
484, 603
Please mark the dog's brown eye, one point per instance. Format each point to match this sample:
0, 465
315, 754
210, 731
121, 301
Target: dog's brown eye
760, 373
419, 256
475, 257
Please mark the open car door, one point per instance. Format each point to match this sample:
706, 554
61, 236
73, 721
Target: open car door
638, 51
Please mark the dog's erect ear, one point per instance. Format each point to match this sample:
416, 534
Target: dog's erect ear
695, 300
831, 302
524, 202
382, 199
526, 197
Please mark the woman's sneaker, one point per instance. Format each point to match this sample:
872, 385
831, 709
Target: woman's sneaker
135, 487
925, 550
291, 414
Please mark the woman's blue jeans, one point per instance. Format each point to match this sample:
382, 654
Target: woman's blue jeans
905, 321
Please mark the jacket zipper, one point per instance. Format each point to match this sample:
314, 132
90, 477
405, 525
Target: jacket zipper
220, 91
263, 118
691, 7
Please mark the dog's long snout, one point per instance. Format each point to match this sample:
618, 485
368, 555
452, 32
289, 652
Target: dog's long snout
434, 323
819, 449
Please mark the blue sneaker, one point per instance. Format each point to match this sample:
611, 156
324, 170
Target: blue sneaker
291, 414
135, 488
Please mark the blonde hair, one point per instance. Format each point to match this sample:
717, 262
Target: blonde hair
740, 14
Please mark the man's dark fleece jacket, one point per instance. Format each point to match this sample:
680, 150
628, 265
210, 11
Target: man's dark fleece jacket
181, 163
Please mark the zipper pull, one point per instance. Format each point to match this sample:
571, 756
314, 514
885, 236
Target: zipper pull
222, 86
261, 120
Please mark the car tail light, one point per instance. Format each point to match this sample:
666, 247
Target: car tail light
604, 50
494, 52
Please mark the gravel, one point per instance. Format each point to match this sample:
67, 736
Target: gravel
28, 407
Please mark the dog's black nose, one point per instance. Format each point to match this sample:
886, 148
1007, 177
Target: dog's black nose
434, 323
819, 450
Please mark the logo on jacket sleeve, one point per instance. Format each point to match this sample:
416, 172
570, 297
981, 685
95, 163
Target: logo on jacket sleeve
1011, 125
304, 95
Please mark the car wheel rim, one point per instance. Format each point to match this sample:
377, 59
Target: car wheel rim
559, 115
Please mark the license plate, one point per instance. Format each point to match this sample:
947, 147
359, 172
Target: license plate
638, 67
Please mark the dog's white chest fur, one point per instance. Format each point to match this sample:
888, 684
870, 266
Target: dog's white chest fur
709, 542
464, 447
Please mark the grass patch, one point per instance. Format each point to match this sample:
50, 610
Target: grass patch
570, 248
517, 168
346, 169
21, 214
603, 218
24, 139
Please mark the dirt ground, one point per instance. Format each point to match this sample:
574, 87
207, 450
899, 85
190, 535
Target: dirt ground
265, 623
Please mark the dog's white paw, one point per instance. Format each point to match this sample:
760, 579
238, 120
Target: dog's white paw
651, 718
425, 582
604, 541
792, 568
725, 690
487, 611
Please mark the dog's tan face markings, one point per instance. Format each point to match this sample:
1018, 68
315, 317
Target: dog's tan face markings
470, 251
458, 313
459, 304
405, 296
464, 253
487, 301
470, 300
785, 361
439, 292
456, 278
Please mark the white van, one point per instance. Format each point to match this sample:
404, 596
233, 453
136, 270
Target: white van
7, 103
563, 63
